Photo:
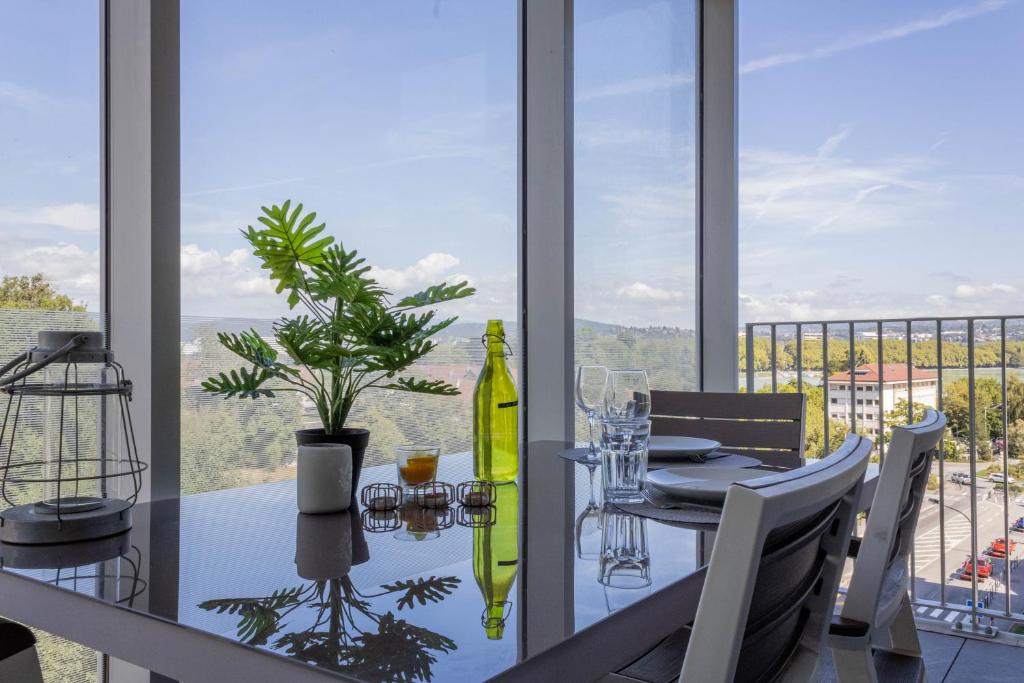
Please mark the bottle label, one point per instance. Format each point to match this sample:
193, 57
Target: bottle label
508, 404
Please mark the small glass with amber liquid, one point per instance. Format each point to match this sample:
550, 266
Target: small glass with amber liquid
416, 465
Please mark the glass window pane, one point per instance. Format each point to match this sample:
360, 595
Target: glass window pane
634, 199
49, 204
396, 123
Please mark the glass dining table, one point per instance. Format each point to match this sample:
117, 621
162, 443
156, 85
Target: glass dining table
237, 585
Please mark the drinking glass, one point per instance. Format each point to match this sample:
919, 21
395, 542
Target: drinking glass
625, 560
416, 464
627, 395
590, 385
624, 459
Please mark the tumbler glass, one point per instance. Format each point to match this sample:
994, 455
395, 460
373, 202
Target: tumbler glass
624, 459
625, 560
416, 465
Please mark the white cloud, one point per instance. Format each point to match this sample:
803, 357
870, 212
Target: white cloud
72, 270
825, 193
832, 142
859, 40
226, 284
669, 81
640, 291
426, 271
995, 289
196, 261
635, 86
76, 216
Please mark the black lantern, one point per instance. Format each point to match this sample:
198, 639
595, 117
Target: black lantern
69, 467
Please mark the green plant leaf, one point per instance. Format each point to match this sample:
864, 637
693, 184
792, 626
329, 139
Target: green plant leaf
250, 346
341, 275
305, 340
287, 245
241, 383
436, 295
422, 386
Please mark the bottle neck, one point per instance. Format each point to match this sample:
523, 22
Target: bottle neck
495, 337
494, 625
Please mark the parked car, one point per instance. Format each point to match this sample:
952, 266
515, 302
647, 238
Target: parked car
984, 565
997, 478
998, 547
1018, 525
960, 478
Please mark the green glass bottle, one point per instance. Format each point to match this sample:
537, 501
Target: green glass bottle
495, 414
496, 559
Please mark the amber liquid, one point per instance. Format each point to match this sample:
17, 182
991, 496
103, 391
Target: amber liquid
418, 469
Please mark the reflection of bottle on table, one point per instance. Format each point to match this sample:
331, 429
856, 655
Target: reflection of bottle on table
496, 560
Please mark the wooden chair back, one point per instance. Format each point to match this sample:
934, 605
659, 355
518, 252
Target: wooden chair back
769, 427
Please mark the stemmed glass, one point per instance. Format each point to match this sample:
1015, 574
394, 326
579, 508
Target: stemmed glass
588, 522
591, 381
627, 396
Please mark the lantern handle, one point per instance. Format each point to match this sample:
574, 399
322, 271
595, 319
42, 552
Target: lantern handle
73, 343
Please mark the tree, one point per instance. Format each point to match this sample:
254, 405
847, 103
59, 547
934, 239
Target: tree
34, 291
1015, 432
952, 449
814, 420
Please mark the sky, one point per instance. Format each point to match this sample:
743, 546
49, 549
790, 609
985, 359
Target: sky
880, 151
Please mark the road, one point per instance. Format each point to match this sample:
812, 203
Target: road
928, 548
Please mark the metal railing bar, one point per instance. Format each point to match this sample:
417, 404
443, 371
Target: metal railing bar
799, 359
942, 473
824, 383
853, 380
1006, 464
868, 321
973, 463
750, 358
881, 400
775, 363
910, 374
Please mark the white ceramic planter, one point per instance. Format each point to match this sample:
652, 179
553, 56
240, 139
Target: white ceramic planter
324, 480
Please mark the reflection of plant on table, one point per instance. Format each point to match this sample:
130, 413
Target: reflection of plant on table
390, 649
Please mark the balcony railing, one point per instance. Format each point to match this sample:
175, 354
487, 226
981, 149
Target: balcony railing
969, 367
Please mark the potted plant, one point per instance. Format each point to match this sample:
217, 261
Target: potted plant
351, 336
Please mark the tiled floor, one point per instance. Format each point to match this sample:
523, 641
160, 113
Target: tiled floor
952, 659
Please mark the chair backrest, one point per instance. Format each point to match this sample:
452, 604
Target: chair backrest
776, 563
769, 427
880, 573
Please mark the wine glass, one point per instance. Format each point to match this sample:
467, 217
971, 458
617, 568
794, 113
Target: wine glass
588, 522
590, 387
627, 396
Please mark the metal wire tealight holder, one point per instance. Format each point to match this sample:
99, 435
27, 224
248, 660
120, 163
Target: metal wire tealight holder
66, 443
381, 496
434, 494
